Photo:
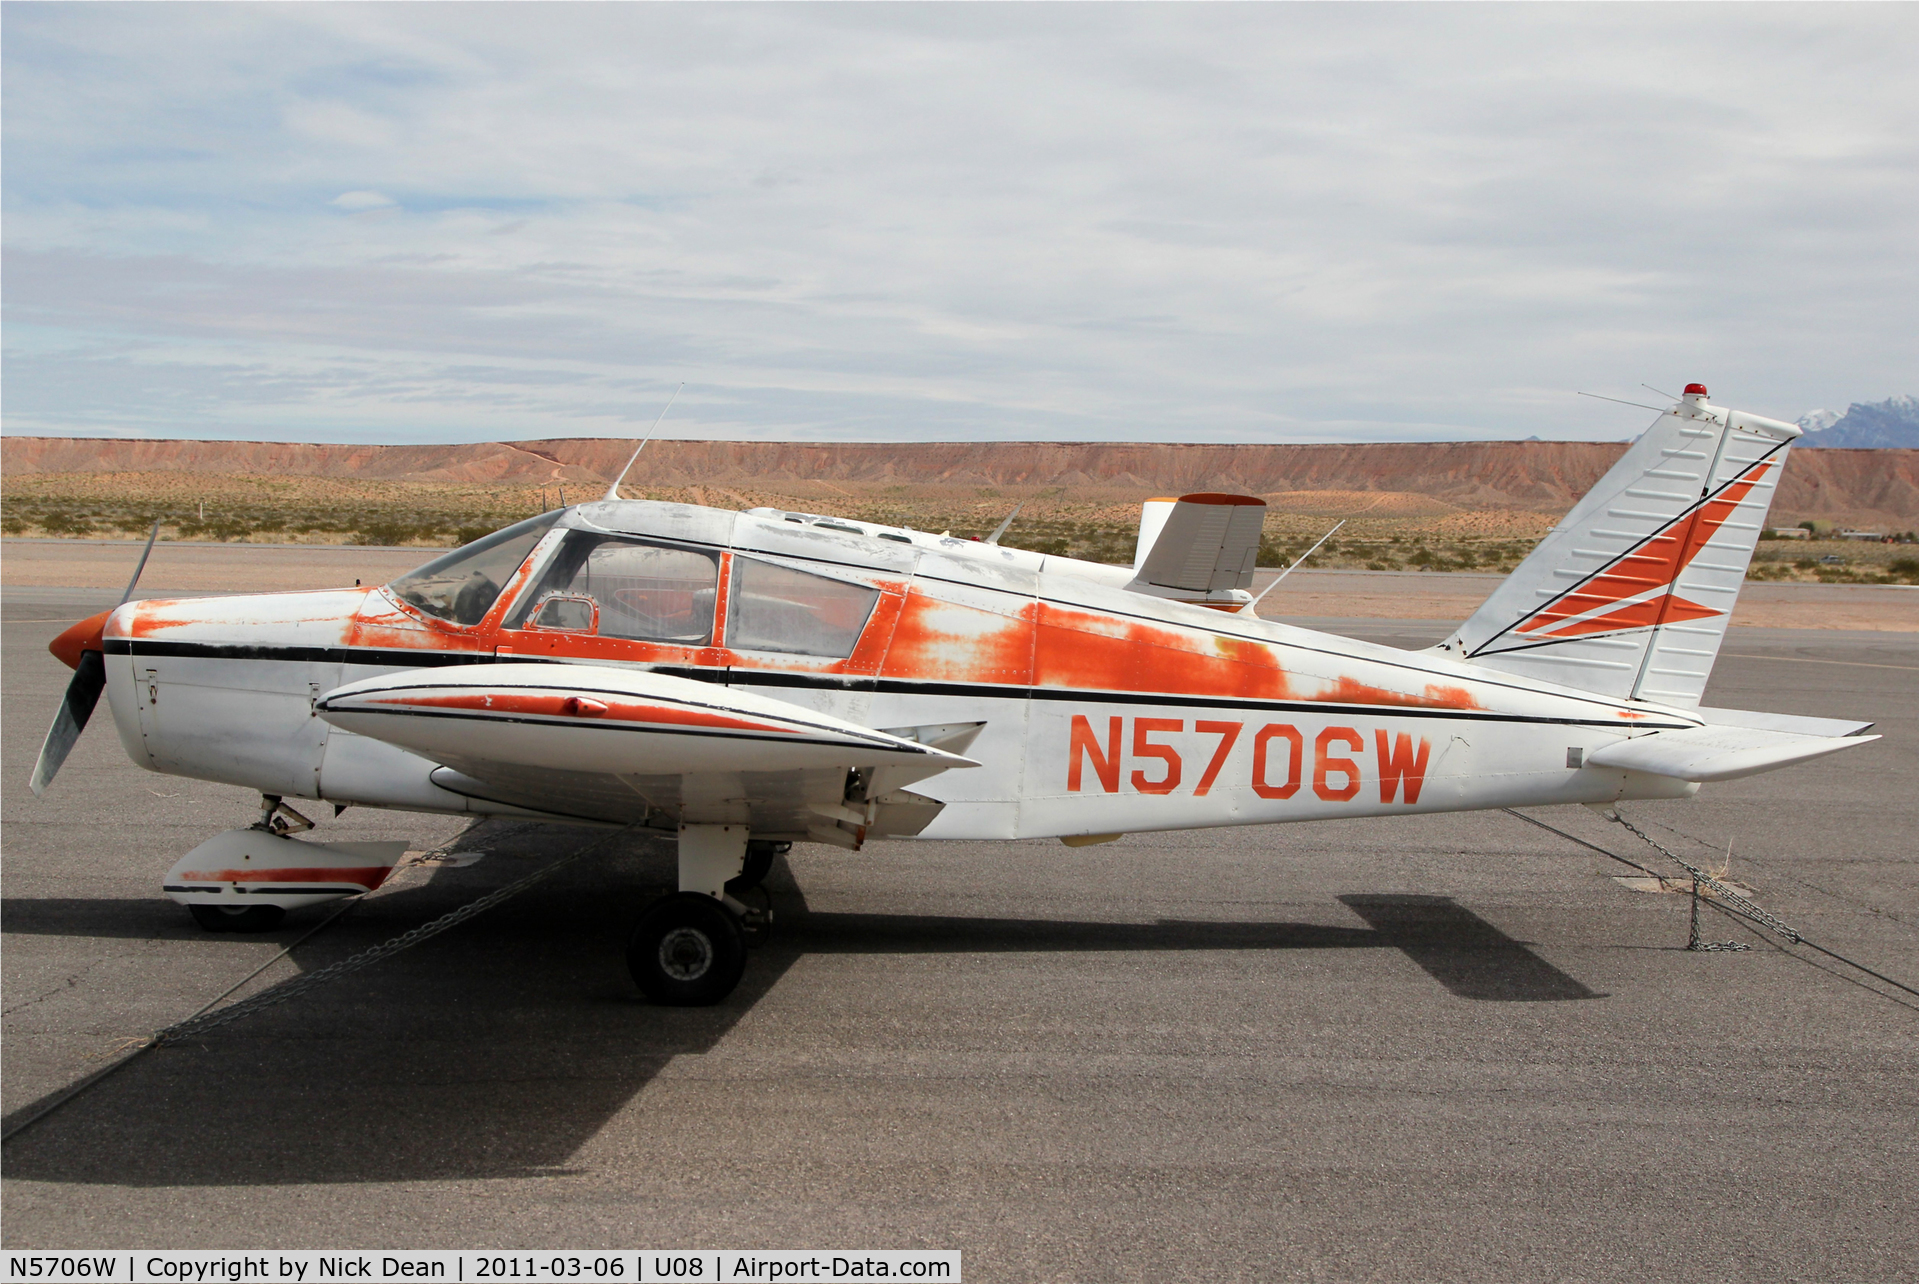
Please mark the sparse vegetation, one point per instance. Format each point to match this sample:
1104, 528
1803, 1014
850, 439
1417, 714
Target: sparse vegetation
1098, 526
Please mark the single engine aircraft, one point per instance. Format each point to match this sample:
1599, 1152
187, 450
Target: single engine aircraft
745, 680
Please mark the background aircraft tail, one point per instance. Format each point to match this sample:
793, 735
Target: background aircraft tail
1630, 594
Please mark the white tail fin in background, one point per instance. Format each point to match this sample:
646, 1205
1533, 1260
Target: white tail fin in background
1630, 595
1199, 548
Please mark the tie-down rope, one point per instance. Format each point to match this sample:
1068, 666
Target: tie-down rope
1723, 897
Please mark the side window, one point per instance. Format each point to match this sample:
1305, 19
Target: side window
645, 592
776, 608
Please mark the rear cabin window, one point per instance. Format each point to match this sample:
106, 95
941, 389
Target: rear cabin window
644, 592
776, 608
463, 585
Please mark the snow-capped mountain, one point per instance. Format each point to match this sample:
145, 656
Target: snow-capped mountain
1892, 422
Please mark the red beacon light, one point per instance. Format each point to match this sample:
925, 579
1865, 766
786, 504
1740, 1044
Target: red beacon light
1695, 390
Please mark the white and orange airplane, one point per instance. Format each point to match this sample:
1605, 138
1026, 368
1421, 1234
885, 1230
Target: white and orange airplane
752, 679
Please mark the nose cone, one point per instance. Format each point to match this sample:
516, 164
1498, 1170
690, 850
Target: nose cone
84, 636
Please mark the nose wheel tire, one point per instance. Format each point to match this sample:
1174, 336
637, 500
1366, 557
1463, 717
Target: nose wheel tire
688, 951
252, 918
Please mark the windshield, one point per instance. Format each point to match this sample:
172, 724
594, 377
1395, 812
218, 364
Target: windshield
463, 585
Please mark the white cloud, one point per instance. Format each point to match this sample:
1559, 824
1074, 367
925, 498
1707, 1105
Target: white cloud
356, 201
1187, 222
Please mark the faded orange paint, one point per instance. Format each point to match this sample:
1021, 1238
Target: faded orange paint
1436, 696
1084, 650
940, 641
150, 617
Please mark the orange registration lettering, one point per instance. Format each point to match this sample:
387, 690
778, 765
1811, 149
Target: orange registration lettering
1401, 764
1228, 732
1266, 736
1105, 765
1326, 764
1144, 748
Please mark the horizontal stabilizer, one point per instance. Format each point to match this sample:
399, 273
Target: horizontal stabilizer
1790, 723
1717, 753
1207, 545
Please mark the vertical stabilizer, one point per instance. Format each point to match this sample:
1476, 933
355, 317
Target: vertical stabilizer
1630, 595
1204, 550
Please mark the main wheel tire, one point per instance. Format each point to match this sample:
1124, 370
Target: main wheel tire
759, 863
687, 951
253, 918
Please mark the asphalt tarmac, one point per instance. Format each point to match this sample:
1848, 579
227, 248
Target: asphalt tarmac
1424, 1048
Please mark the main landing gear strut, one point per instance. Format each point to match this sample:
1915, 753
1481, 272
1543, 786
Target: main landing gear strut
689, 949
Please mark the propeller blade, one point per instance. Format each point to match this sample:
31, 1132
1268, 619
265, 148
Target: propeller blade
89, 679
145, 553
83, 692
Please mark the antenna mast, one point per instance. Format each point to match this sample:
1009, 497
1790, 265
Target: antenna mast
613, 491
1254, 604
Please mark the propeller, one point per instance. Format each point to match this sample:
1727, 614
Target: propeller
89, 680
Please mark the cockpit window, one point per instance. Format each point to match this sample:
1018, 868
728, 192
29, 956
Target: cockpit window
463, 585
776, 608
646, 592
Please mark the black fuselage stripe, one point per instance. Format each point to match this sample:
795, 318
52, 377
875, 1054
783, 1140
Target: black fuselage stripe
888, 686
374, 656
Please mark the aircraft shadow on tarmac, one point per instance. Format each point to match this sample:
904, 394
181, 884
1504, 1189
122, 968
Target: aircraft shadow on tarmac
502, 1047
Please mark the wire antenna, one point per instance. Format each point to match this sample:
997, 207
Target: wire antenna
1254, 604
1649, 388
613, 491
1642, 405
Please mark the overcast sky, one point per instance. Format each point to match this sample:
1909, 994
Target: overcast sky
437, 222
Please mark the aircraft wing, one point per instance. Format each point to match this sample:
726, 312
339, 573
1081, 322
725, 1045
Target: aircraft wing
629, 746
